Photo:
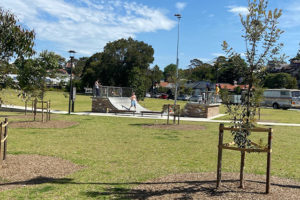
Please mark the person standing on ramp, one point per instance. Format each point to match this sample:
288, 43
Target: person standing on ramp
133, 101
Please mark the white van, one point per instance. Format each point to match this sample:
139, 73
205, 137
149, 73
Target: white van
281, 98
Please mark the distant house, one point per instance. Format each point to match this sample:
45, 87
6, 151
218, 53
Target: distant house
165, 84
201, 86
231, 87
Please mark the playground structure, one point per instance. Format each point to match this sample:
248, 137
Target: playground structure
3, 140
254, 148
39, 106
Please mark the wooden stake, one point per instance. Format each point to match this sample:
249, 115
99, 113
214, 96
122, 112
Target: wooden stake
42, 111
4, 136
26, 107
242, 169
168, 113
219, 169
269, 162
1, 143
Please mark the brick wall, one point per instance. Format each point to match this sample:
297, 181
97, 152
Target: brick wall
200, 110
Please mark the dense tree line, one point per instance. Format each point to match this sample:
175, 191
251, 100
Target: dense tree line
123, 63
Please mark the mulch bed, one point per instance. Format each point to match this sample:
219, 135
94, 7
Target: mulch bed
203, 186
39, 124
174, 126
22, 170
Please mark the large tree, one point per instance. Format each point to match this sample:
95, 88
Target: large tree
261, 35
124, 63
170, 73
280, 80
230, 70
15, 41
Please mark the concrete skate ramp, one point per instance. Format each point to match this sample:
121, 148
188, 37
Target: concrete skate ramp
123, 103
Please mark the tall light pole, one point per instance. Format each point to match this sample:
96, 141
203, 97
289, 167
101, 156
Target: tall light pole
177, 60
72, 53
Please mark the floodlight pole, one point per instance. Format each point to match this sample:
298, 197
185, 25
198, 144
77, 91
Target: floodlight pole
72, 52
177, 60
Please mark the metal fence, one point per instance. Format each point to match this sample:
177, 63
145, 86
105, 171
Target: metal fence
110, 91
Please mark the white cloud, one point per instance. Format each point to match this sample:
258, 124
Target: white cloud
218, 54
180, 5
238, 10
86, 25
291, 16
206, 60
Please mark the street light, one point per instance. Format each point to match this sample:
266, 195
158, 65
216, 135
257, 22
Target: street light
177, 60
71, 102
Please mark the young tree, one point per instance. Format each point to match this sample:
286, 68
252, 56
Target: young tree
32, 73
261, 35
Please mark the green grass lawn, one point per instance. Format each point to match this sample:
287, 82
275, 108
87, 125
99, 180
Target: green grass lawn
60, 101
271, 115
119, 151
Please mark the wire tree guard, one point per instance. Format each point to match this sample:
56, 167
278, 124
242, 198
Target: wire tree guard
254, 148
3, 140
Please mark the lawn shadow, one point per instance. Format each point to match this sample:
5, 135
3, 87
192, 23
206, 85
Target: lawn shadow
121, 191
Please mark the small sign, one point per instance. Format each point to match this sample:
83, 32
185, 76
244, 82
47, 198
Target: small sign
74, 93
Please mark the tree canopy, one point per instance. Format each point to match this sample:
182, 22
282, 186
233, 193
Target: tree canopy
32, 73
124, 63
280, 80
14, 40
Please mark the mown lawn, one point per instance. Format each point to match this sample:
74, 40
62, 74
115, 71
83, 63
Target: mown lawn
83, 103
118, 152
272, 115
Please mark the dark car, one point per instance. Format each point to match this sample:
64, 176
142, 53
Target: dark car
164, 96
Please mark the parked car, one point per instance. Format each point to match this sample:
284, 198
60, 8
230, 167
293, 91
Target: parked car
196, 98
148, 95
157, 95
184, 97
164, 96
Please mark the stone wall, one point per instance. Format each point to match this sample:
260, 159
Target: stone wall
101, 105
200, 110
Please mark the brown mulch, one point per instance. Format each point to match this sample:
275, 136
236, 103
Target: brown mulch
39, 124
22, 170
186, 127
203, 186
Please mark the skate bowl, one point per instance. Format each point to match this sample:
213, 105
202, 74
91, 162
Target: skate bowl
114, 98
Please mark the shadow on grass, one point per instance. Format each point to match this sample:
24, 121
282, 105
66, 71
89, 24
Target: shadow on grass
119, 190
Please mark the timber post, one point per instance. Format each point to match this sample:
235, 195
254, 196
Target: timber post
219, 169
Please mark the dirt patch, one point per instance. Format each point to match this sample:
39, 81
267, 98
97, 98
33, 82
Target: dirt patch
174, 126
39, 124
22, 170
203, 186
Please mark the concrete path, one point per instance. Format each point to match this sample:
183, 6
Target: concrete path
21, 108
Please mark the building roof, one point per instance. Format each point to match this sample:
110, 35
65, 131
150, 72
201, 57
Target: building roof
229, 86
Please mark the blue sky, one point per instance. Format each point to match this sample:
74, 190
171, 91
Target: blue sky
87, 25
